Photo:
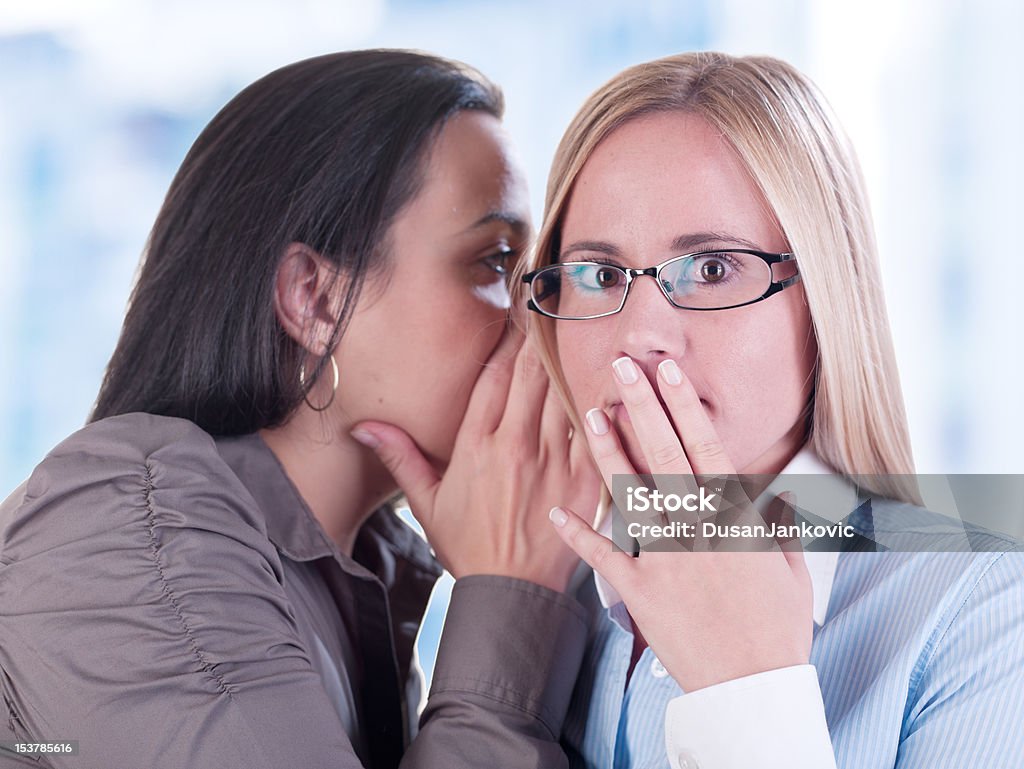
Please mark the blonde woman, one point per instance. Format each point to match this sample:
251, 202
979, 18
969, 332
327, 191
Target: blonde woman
759, 345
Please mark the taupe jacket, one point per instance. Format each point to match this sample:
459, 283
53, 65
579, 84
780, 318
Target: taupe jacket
168, 600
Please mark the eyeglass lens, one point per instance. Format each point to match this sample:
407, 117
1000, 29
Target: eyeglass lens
702, 281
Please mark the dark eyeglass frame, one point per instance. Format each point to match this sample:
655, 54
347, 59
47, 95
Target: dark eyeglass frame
655, 272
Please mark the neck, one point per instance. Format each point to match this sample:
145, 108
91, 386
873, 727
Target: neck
774, 460
340, 481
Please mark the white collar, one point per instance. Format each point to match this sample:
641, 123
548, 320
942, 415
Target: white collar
821, 565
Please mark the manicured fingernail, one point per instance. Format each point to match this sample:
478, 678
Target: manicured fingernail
598, 422
670, 372
368, 439
625, 370
558, 516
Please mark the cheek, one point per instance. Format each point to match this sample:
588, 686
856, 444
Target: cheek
762, 380
584, 355
796, 355
453, 343
413, 362
494, 295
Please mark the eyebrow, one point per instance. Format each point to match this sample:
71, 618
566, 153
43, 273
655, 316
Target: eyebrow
517, 223
681, 244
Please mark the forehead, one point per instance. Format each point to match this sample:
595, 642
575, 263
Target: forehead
663, 175
469, 171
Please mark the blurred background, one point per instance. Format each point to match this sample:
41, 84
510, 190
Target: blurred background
100, 100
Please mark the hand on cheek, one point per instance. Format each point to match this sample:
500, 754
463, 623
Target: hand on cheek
709, 616
514, 457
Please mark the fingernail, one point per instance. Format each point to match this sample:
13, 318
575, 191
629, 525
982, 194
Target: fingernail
598, 422
625, 370
670, 372
558, 516
368, 439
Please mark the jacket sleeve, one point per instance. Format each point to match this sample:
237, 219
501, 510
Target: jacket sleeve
142, 611
143, 614
506, 665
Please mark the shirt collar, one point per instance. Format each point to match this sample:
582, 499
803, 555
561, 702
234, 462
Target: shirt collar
821, 565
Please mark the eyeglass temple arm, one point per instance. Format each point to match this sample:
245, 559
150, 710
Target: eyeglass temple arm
787, 282
778, 259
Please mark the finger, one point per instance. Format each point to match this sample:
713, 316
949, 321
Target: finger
564, 447
598, 552
487, 401
518, 315
402, 457
606, 449
580, 456
556, 429
704, 450
732, 509
659, 442
524, 403
584, 472
619, 476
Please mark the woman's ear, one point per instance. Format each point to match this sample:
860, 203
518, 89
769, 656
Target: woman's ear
306, 292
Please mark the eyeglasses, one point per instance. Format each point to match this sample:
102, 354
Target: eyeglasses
709, 280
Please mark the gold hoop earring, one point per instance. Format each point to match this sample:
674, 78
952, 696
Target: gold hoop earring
302, 383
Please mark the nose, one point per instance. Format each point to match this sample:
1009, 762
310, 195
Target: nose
650, 328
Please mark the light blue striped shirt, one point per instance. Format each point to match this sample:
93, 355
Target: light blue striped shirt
920, 658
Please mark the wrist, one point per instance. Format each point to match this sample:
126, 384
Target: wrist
691, 678
555, 583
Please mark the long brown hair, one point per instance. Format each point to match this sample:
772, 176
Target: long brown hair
323, 152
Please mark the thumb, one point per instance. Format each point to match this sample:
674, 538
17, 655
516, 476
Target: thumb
597, 551
402, 457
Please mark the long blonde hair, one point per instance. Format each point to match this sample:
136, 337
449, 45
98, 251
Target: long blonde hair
793, 147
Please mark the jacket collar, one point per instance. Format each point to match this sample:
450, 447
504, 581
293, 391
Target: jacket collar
295, 531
